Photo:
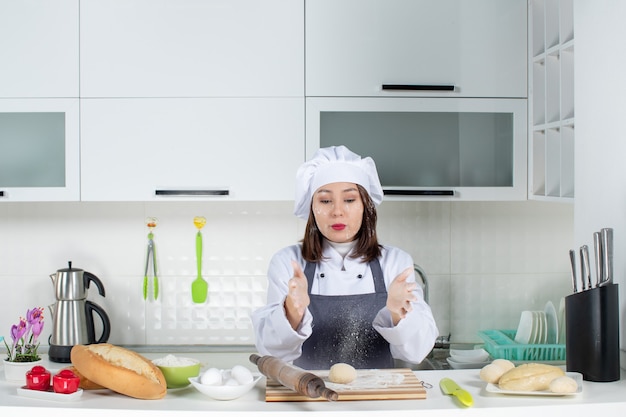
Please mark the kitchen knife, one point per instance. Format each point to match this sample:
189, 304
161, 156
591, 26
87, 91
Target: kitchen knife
449, 387
572, 259
606, 235
585, 269
597, 248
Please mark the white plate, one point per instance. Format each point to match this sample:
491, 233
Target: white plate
536, 330
466, 365
49, 395
553, 323
561, 338
525, 328
540, 328
469, 355
574, 375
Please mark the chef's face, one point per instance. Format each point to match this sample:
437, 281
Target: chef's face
338, 211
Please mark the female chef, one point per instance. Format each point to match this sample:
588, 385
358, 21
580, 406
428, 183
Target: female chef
340, 296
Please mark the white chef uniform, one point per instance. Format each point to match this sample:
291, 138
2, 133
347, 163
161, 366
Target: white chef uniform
339, 275
410, 340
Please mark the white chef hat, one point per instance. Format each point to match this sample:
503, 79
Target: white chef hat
334, 164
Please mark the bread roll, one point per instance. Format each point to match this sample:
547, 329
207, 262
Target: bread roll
563, 385
492, 372
504, 364
85, 383
530, 377
120, 370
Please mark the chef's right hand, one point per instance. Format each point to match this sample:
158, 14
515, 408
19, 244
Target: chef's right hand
400, 296
297, 299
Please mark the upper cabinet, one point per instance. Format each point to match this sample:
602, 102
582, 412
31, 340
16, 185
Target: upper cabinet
444, 48
434, 91
551, 100
39, 150
192, 48
430, 148
39, 48
183, 99
199, 148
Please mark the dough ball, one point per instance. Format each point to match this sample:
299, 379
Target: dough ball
491, 373
504, 364
342, 373
563, 385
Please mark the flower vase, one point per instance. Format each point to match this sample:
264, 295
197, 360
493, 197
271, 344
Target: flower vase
16, 371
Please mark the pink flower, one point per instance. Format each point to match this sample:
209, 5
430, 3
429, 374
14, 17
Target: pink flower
35, 321
24, 335
18, 330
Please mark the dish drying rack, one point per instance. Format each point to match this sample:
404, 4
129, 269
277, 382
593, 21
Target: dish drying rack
501, 344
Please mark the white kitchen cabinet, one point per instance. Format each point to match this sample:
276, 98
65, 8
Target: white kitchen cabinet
430, 149
39, 48
193, 148
192, 48
551, 100
417, 48
39, 150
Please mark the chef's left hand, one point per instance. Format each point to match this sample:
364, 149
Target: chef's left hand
400, 295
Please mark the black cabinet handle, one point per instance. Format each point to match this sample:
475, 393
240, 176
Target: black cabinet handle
442, 193
193, 193
418, 87
1, 193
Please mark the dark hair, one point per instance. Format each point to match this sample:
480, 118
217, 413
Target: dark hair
367, 245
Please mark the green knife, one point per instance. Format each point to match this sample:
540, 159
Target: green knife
450, 387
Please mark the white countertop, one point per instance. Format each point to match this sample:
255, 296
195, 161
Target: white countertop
598, 398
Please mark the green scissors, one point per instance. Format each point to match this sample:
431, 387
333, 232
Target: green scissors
151, 222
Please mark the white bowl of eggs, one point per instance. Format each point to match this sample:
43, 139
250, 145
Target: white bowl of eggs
225, 384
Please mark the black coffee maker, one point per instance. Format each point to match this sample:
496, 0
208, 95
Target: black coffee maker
73, 314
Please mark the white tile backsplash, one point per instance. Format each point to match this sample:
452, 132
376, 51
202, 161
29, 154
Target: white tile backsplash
486, 261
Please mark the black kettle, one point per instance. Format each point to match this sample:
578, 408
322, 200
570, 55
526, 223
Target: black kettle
73, 314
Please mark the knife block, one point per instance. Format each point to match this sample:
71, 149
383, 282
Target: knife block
592, 333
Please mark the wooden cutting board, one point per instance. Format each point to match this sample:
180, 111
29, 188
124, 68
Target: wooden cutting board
370, 384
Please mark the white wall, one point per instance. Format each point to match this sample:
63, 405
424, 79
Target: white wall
600, 91
486, 261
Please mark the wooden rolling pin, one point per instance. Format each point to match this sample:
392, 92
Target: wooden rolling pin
292, 377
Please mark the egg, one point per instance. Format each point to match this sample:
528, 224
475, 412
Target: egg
241, 374
211, 376
232, 382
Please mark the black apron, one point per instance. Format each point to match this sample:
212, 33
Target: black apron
342, 327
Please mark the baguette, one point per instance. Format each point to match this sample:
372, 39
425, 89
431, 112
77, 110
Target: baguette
120, 370
530, 377
85, 383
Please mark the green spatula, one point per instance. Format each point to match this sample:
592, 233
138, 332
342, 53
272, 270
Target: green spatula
199, 286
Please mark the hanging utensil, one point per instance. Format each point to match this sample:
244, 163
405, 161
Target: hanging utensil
199, 286
151, 222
